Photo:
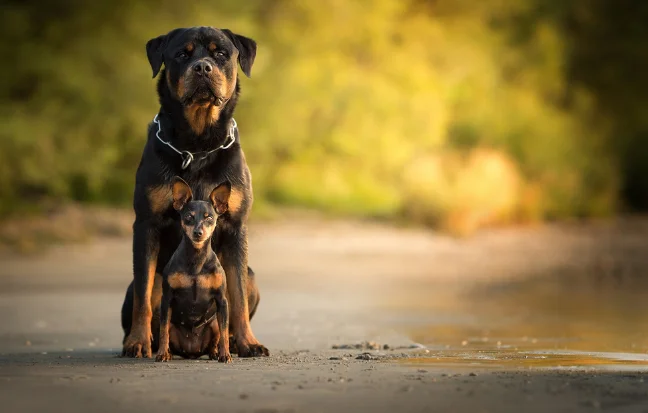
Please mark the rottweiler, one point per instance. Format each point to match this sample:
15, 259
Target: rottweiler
194, 312
193, 136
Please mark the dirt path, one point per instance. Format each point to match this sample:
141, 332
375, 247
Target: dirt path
328, 283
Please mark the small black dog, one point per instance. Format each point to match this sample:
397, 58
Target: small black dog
194, 315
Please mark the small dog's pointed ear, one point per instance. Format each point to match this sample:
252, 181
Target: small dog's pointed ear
220, 197
181, 193
155, 51
246, 48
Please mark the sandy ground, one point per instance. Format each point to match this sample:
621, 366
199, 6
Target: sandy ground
326, 283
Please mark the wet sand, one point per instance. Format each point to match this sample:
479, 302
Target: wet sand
533, 320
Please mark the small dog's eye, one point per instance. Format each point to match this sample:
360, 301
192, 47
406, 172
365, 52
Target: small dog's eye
209, 218
189, 217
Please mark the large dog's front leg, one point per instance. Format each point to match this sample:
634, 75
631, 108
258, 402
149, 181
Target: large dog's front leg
146, 246
234, 259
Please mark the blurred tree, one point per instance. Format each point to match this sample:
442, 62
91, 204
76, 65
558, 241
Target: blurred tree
452, 113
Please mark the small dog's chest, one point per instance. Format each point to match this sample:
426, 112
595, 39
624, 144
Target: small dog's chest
193, 309
180, 281
193, 298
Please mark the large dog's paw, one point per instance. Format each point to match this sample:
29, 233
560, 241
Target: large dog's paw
250, 348
137, 345
163, 356
253, 350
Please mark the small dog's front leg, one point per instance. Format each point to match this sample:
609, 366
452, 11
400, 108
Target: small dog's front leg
221, 336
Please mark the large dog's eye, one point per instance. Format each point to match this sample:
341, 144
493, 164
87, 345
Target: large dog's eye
182, 55
220, 53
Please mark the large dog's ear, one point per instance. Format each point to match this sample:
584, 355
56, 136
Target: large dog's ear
220, 197
181, 193
155, 51
246, 48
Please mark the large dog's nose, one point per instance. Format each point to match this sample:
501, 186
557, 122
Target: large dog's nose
202, 67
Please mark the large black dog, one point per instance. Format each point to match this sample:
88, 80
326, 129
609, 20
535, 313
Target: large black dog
195, 137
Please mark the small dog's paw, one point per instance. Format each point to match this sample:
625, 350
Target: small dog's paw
225, 358
163, 356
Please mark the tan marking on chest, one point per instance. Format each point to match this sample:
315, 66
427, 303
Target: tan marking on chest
212, 282
201, 116
203, 282
179, 280
159, 198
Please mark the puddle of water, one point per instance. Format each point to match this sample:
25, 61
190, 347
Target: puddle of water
506, 360
533, 323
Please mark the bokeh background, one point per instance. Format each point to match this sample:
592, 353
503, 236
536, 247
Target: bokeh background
452, 114
468, 175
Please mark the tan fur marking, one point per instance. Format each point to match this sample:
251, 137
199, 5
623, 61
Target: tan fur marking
149, 288
201, 116
180, 90
159, 198
230, 85
212, 47
143, 313
213, 281
214, 114
189, 47
178, 280
235, 200
225, 86
180, 193
156, 300
156, 294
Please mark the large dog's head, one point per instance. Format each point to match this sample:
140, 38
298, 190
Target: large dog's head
200, 65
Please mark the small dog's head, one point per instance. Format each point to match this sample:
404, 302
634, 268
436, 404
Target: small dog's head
200, 68
198, 218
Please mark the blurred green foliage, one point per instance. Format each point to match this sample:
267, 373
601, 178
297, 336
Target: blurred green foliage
455, 114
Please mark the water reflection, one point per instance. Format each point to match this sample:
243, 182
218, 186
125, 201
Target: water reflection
535, 360
541, 321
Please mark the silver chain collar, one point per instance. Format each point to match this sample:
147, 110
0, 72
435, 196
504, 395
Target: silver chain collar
188, 157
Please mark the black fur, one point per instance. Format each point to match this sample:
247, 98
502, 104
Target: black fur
156, 231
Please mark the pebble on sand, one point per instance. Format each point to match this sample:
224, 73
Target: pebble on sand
365, 345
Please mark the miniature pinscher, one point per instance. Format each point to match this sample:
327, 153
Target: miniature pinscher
193, 311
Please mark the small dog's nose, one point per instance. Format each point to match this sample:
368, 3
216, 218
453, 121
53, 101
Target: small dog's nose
198, 233
202, 67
